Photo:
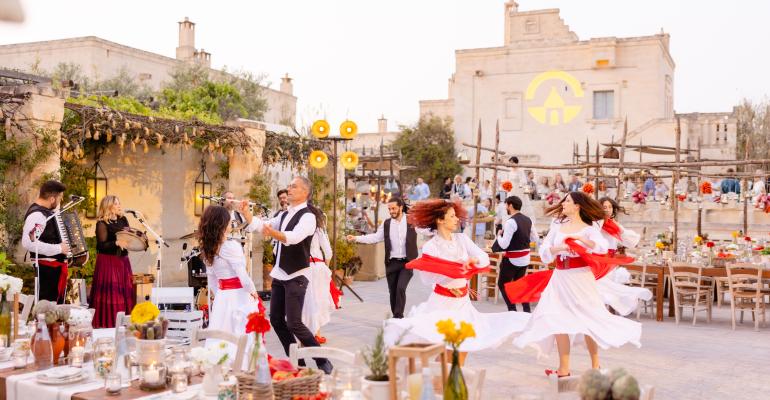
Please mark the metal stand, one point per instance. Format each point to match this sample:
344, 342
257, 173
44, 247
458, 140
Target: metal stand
158, 241
38, 232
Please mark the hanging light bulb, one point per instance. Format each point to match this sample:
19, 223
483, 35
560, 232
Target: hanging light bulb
349, 160
320, 129
318, 159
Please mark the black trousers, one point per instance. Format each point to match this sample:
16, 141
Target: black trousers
286, 316
49, 284
510, 273
398, 279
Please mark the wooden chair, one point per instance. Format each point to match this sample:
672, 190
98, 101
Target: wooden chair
121, 319
308, 354
238, 341
745, 285
691, 289
487, 282
25, 304
648, 281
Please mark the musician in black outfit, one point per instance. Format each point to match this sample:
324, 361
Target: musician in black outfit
400, 247
294, 231
48, 249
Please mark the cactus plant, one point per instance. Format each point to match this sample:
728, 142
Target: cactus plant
625, 388
594, 386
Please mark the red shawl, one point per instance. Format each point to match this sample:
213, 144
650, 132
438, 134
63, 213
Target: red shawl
611, 228
444, 267
529, 288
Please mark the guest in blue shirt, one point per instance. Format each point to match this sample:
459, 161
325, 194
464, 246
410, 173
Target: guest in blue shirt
649, 186
730, 185
422, 190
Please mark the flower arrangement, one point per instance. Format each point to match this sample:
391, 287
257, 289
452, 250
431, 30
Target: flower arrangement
588, 188
455, 387
747, 239
507, 186
454, 336
146, 322
710, 245
698, 240
9, 286
209, 356
659, 245
705, 188
682, 197
734, 234
639, 197
54, 313
259, 325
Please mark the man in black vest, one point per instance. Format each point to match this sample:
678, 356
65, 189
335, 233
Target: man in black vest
400, 247
517, 234
294, 231
48, 249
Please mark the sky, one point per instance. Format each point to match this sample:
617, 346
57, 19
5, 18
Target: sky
360, 59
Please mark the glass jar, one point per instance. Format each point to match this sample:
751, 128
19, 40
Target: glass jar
180, 362
104, 355
152, 376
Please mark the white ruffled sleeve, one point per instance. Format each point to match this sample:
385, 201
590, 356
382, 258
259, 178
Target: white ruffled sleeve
628, 237
432, 278
232, 253
550, 240
474, 251
600, 243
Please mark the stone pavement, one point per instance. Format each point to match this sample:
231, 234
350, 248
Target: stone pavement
706, 361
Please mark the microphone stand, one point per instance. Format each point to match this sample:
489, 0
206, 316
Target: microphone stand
39, 232
158, 241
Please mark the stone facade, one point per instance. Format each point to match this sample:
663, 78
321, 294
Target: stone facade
544, 85
102, 59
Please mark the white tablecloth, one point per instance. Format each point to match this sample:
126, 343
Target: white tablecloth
193, 392
25, 386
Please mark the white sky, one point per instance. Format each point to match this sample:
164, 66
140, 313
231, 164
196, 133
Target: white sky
358, 59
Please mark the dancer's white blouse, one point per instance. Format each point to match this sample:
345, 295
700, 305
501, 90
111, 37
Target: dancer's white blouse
229, 263
628, 238
556, 238
613, 289
460, 249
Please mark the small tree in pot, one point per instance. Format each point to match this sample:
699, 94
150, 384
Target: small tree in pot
376, 358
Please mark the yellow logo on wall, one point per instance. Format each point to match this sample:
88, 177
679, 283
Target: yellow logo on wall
555, 110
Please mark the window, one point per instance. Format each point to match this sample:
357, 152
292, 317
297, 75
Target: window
604, 104
531, 26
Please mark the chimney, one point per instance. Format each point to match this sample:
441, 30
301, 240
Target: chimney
286, 85
203, 58
382, 125
186, 49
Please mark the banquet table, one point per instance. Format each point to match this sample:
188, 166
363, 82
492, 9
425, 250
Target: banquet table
21, 384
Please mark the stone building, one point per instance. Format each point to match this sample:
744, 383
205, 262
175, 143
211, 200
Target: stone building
545, 85
102, 59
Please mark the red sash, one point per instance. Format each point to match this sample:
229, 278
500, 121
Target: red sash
62, 284
333, 289
230, 283
611, 228
529, 288
516, 254
447, 292
444, 267
570, 262
318, 260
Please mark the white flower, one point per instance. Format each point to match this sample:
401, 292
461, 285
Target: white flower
210, 355
79, 316
10, 285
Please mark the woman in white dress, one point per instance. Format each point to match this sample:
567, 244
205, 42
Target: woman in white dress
571, 309
623, 299
235, 296
318, 303
449, 298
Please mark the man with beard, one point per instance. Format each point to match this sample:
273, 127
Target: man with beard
400, 240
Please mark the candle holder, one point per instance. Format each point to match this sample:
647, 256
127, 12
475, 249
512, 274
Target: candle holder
19, 359
152, 377
77, 354
113, 384
104, 356
179, 382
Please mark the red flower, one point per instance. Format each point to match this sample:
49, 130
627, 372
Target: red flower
257, 323
682, 197
747, 238
260, 306
588, 188
507, 186
710, 244
705, 187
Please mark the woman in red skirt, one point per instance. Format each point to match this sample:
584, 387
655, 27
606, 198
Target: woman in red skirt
112, 290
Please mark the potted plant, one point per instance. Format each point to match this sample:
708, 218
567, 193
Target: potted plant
268, 261
376, 384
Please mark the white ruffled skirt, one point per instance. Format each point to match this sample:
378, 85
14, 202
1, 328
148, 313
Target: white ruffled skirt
318, 304
623, 299
419, 326
572, 305
229, 313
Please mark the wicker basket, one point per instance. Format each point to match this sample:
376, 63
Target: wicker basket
282, 390
721, 262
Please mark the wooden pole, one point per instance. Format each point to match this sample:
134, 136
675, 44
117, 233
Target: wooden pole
15, 317
478, 172
744, 190
494, 171
596, 172
334, 207
674, 184
622, 159
379, 189
588, 161
700, 199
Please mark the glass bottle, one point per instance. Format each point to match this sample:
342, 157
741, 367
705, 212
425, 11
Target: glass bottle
427, 385
455, 388
42, 349
122, 360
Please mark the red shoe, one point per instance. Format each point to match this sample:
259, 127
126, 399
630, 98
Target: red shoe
550, 372
320, 339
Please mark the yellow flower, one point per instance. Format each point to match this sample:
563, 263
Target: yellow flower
659, 245
734, 234
698, 240
466, 331
144, 312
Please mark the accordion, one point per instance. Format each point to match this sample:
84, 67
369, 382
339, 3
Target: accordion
71, 233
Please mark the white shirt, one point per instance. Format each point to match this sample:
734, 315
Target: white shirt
509, 228
628, 238
397, 237
556, 237
36, 221
304, 228
320, 247
459, 249
229, 263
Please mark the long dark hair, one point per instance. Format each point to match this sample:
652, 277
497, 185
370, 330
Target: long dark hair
211, 231
616, 208
590, 209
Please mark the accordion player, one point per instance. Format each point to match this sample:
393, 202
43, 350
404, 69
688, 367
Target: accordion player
54, 243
